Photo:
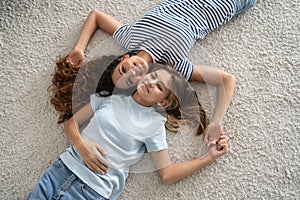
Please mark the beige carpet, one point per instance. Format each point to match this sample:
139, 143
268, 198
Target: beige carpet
260, 47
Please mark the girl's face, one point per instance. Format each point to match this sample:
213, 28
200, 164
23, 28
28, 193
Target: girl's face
153, 88
129, 71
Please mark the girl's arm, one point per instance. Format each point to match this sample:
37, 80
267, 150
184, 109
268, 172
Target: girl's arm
178, 171
89, 151
95, 20
225, 84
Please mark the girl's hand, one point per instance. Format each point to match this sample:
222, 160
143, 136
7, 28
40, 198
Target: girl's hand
220, 148
212, 133
91, 154
76, 57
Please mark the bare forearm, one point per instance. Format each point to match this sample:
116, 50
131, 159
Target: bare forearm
96, 20
89, 28
179, 171
224, 83
224, 96
72, 132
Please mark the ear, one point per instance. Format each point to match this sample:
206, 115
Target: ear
124, 57
162, 103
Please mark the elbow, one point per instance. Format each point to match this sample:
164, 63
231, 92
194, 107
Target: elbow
233, 80
167, 175
94, 12
229, 79
166, 180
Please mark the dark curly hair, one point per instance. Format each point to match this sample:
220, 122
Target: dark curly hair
70, 88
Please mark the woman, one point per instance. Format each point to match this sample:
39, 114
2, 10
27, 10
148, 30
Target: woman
78, 175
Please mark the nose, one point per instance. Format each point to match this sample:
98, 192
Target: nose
131, 72
128, 67
152, 83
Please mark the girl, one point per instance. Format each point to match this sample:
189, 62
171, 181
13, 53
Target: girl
166, 34
76, 175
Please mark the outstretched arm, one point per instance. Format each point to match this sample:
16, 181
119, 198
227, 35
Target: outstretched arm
225, 84
89, 151
96, 20
178, 171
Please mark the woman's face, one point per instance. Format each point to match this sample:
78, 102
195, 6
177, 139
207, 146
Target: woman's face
129, 71
154, 87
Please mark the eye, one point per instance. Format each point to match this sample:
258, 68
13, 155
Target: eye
160, 87
122, 70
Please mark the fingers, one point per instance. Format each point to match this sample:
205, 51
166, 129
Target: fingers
98, 164
73, 63
93, 158
97, 167
100, 158
206, 138
211, 143
100, 149
222, 144
212, 133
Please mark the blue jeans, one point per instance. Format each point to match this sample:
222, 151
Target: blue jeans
244, 5
58, 182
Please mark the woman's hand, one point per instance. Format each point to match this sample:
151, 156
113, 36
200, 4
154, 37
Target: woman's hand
220, 148
91, 154
212, 133
76, 57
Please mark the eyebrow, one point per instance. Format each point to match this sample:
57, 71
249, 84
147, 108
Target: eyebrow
160, 82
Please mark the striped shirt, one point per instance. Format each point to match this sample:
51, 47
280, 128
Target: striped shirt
169, 31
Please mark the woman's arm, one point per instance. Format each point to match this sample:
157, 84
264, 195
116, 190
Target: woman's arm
96, 20
225, 84
178, 171
89, 151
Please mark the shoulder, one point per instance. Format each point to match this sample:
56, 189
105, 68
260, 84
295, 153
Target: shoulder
122, 30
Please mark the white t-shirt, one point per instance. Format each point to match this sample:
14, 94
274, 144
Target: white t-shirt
125, 129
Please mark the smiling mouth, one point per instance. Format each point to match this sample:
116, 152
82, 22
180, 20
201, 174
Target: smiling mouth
129, 82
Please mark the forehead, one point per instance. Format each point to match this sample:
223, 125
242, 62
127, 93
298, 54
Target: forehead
164, 76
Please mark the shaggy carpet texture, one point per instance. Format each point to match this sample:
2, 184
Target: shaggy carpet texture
260, 48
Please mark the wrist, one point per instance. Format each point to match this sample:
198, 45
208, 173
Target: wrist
78, 145
209, 157
215, 122
79, 47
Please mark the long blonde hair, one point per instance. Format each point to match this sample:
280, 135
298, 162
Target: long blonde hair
183, 105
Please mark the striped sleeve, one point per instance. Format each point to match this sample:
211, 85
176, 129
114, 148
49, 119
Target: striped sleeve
185, 67
121, 35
